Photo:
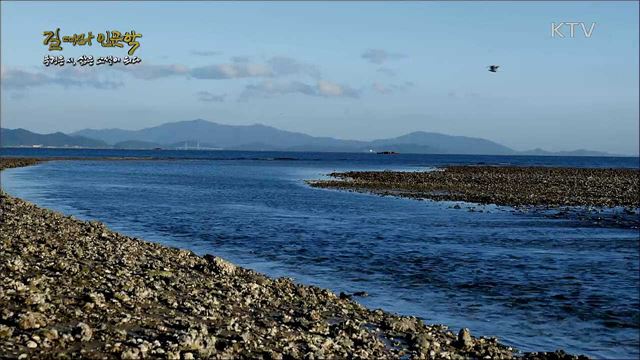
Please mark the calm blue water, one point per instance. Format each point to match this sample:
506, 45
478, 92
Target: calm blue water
535, 282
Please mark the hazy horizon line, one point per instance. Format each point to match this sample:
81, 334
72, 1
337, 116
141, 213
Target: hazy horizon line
617, 154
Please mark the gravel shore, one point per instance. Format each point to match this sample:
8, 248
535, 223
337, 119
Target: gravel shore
504, 185
75, 289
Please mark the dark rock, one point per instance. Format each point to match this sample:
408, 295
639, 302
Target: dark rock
464, 339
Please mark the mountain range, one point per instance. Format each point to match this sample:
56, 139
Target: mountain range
210, 135
22, 137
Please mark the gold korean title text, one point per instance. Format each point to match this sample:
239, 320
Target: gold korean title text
108, 39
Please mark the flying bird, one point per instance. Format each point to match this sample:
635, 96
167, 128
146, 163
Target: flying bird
493, 68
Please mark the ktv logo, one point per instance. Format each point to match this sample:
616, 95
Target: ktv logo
561, 29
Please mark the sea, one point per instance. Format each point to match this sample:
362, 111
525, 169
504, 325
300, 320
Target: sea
537, 282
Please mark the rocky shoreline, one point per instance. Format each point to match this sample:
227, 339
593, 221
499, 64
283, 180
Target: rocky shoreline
501, 185
75, 289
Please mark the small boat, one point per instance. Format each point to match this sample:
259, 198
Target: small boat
387, 153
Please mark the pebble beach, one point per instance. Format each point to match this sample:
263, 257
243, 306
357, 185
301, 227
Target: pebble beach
500, 185
75, 289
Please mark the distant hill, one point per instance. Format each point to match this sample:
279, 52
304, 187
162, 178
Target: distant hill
580, 152
261, 137
145, 145
202, 134
22, 137
136, 144
426, 142
224, 136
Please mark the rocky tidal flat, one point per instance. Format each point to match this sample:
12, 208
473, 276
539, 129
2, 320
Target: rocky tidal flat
75, 289
501, 185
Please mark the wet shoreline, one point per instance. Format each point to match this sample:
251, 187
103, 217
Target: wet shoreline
80, 289
501, 185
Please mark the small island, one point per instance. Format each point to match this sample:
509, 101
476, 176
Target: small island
500, 185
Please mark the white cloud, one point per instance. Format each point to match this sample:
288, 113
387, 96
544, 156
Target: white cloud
391, 88
206, 96
152, 72
327, 88
380, 56
231, 71
241, 68
282, 65
379, 88
321, 88
17, 79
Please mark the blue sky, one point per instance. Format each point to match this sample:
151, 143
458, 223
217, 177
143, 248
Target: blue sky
357, 70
